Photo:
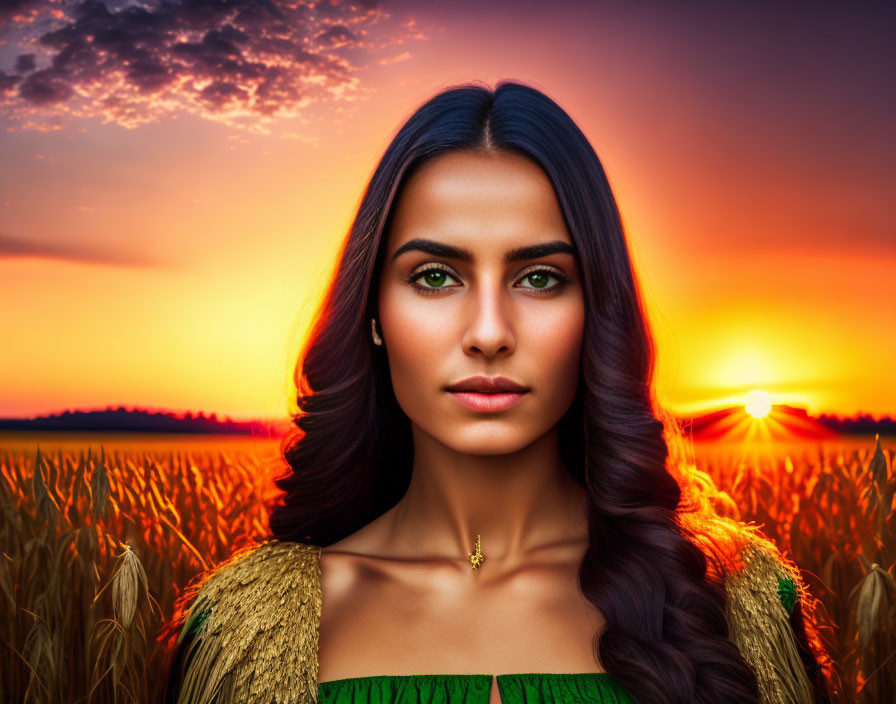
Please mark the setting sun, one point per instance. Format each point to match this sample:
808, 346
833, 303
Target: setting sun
758, 404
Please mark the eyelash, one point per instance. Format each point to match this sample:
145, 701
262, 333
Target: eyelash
430, 290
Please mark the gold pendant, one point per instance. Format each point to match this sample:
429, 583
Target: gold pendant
477, 557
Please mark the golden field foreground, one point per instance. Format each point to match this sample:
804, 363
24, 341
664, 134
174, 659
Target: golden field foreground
99, 543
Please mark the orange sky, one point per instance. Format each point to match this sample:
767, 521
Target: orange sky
164, 252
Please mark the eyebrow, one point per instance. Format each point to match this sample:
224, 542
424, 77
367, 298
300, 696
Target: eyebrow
439, 249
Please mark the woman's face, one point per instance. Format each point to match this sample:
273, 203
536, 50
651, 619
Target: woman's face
469, 307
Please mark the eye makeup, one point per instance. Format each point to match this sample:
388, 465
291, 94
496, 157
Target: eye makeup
541, 269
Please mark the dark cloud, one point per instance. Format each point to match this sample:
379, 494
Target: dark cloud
20, 247
131, 62
7, 83
44, 88
25, 63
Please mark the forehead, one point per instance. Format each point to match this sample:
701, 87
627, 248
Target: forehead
483, 202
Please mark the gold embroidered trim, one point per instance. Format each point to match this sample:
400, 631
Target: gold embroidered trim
255, 625
759, 622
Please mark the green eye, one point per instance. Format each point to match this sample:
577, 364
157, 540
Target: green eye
435, 278
538, 278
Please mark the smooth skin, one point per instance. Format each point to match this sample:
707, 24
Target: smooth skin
399, 595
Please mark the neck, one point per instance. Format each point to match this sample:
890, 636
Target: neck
516, 502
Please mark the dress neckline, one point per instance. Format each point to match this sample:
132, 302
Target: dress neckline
503, 676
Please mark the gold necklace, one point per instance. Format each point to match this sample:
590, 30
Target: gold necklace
477, 557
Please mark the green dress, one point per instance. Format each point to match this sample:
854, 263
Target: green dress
517, 688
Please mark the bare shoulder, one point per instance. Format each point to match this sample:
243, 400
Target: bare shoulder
350, 564
356, 559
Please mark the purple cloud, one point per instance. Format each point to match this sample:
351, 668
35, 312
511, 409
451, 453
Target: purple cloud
237, 61
78, 252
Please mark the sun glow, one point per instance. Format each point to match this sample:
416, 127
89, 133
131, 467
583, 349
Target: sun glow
758, 404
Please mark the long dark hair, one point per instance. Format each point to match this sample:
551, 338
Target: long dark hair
350, 451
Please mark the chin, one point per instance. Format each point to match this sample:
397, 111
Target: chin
484, 440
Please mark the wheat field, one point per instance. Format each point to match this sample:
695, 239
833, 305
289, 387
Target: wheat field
101, 534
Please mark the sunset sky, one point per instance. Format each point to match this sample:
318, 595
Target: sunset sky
175, 181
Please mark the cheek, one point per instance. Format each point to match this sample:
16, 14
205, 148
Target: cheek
553, 344
417, 339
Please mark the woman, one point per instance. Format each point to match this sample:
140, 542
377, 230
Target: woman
484, 504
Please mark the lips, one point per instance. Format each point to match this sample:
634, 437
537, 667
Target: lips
488, 385
488, 402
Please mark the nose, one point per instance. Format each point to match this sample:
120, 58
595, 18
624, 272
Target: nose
489, 324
